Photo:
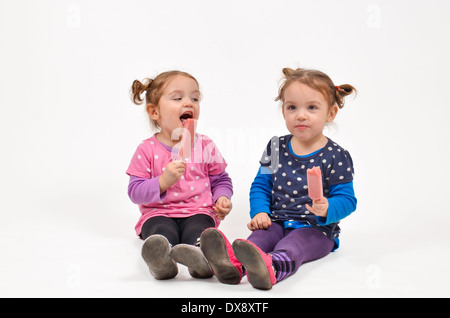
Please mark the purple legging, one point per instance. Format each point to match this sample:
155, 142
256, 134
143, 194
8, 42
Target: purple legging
290, 248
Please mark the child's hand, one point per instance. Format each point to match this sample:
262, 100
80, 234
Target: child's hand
173, 171
223, 207
260, 221
319, 207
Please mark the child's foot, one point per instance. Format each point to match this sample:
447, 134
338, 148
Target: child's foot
219, 253
155, 252
257, 264
192, 257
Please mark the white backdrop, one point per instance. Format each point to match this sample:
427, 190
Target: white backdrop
68, 130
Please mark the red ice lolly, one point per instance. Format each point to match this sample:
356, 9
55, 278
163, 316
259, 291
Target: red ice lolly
187, 139
314, 176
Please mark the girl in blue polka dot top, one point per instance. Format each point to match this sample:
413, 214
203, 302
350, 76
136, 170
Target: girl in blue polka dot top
288, 227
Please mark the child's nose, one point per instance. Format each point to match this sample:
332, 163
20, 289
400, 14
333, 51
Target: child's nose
187, 102
301, 114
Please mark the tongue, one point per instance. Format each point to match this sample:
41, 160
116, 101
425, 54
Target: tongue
187, 139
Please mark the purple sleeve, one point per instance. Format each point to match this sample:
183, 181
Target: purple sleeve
144, 191
221, 185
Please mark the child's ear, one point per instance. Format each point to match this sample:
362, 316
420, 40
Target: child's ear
332, 113
153, 112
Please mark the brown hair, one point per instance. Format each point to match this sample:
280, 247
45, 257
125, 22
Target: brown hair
153, 89
319, 81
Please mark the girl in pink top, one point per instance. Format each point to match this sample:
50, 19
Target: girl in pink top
178, 198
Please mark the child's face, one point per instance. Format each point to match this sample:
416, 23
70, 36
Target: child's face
180, 100
306, 111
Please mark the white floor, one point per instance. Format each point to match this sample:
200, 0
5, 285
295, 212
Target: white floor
95, 254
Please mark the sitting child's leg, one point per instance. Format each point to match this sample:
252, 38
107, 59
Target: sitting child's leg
227, 260
192, 228
267, 239
159, 233
156, 254
257, 263
192, 257
219, 253
299, 246
161, 225
188, 252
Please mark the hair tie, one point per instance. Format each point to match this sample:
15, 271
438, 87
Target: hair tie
337, 87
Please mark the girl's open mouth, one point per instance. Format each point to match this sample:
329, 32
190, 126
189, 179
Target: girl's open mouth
186, 115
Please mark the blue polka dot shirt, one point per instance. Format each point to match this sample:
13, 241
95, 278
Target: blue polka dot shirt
286, 173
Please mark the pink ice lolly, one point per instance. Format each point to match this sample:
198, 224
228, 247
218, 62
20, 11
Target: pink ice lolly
187, 139
314, 176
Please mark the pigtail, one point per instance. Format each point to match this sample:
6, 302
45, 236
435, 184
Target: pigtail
138, 88
343, 91
288, 77
288, 72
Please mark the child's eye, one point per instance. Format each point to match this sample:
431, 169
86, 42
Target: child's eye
312, 107
195, 99
177, 98
291, 107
